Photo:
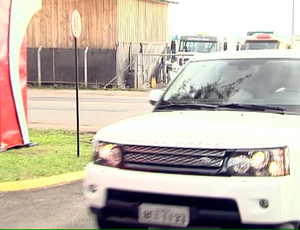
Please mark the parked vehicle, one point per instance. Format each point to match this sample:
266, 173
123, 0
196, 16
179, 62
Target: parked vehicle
220, 149
191, 45
264, 41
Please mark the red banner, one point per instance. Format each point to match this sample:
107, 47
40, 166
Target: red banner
10, 131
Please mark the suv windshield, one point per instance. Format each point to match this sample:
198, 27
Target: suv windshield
198, 46
273, 82
261, 45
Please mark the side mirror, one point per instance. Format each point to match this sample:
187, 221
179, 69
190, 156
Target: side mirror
155, 95
225, 46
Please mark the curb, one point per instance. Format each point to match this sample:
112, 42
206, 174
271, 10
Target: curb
41, 182
68, 92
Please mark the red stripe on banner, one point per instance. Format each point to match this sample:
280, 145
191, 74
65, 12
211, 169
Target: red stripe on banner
10, 134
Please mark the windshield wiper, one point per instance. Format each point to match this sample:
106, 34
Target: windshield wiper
254, 107
186, 105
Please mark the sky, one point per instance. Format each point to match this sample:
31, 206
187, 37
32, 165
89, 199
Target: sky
233, 17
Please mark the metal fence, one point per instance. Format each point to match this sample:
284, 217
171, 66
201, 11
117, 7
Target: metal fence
146, 66
57, 66
97, 68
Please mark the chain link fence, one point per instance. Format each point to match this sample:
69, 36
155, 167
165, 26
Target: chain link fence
57, 66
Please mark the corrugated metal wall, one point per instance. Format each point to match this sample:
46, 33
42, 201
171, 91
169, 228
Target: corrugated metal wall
50, 27
104, 22
142, 21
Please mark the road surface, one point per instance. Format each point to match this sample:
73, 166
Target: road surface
60, 207
56, 108
63, 207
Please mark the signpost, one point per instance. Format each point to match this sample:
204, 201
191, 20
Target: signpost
76, 31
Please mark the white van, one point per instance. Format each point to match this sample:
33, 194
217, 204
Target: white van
220, 149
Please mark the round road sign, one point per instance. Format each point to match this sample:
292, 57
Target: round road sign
76, 24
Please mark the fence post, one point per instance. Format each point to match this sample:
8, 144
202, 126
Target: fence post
165, 58
53, 66
39, 66
140, 74
140, 71
135, 67
86, 67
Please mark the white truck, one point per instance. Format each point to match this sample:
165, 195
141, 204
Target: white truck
191, 45
220, 149
264, 41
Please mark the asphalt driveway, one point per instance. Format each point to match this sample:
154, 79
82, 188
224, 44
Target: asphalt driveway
60, 207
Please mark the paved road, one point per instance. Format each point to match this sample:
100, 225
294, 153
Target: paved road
63, 207
56, 109
60, 207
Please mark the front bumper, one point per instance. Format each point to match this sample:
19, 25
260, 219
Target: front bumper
117, 193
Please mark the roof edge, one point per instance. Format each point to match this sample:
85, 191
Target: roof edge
166, 1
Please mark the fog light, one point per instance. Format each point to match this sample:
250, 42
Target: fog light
264, 203
92, 188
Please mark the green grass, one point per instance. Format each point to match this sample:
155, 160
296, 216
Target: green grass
55, 154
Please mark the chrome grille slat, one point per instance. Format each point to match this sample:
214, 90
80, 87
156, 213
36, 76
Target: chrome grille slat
175, 151
173, 157
173, 160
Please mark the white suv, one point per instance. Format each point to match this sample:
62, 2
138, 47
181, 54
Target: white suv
220, 149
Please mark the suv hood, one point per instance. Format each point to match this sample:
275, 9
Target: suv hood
204, 129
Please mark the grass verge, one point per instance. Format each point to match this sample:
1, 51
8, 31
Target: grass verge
56, 154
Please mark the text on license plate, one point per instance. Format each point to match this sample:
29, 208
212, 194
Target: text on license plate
164, 215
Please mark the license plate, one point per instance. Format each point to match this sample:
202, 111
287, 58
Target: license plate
167, 215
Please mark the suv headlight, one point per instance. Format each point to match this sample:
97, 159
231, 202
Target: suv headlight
106, 154
264, 162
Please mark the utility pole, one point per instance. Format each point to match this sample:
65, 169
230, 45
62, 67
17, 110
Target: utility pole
293, 17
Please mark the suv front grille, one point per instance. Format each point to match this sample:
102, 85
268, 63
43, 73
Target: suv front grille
168, 159
180, 160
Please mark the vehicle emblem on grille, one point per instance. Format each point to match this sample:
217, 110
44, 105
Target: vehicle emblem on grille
205, 160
